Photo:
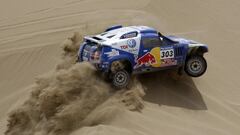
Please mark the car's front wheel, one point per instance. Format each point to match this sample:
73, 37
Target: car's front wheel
121, 79
195, 66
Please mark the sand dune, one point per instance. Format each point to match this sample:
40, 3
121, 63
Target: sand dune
30, 36
66, 99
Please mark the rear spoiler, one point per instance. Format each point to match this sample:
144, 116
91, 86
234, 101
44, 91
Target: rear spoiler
93, 40
113, 28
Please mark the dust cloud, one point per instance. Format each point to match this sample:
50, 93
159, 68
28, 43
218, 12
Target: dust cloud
72, 96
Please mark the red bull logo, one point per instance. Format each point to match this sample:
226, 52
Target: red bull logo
147, 60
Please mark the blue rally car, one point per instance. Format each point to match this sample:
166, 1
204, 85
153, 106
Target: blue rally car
122, 51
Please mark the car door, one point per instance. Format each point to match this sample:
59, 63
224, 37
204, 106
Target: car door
155, 54
149, 54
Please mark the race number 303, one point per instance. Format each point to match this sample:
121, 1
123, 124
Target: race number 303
166, 54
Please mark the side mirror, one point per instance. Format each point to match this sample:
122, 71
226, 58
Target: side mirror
160, 34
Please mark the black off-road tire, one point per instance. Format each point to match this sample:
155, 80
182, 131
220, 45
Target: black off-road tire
195, 66
120, 79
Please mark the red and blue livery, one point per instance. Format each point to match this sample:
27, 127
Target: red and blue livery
120, 52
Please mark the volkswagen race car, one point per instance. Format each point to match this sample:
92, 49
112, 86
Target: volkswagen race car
122, 51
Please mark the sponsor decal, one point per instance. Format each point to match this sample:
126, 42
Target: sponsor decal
124, 47
133, 50
168, 62
85, 59
156, 53
130, 46
112, 53
157, 58
85, 55
148, 59
131, 43
151, 58
114, 43
195, 45
182, 40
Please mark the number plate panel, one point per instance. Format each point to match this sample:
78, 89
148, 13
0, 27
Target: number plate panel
167, 53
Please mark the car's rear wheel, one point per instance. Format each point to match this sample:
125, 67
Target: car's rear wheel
121, 79
195, 66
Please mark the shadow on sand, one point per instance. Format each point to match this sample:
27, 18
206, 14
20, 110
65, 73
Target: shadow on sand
163, 89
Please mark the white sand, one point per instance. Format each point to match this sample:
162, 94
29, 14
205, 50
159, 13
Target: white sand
30, 33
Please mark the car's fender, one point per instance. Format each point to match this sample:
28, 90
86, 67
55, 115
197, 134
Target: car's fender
193, 46
123, 57
197, 49
80, 52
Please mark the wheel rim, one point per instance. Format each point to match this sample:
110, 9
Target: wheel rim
195, 66
120, 78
